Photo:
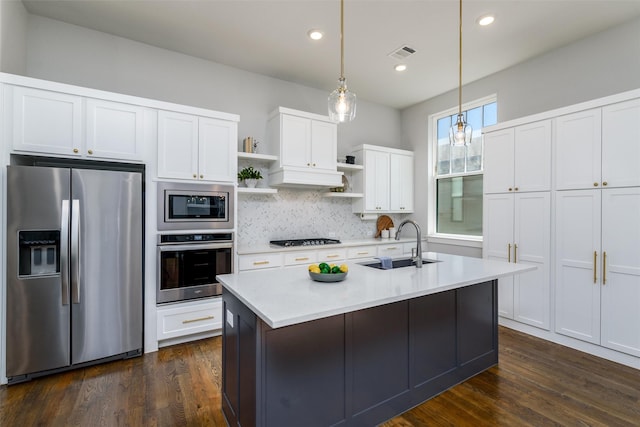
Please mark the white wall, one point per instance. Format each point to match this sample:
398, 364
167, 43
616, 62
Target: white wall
603, 64
71, 54
13, 31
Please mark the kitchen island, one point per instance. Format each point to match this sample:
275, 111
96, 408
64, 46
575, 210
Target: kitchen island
358, 352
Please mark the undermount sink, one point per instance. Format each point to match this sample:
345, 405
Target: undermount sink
397, 263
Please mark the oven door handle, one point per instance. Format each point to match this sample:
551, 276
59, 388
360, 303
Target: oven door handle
193, 247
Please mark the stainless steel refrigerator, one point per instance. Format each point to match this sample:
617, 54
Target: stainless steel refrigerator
74, 268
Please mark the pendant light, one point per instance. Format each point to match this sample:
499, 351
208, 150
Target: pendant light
342, 103
460, 132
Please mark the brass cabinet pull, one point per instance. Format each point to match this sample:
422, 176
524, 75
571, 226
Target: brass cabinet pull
363, 253
201, 176
516, 188
604, 267
90, 151
260, 262
605, 183
195, 176
304, 258
515, 253
75, 150
392, 248
199, 319
509, 252
510, 189
595, 184
333, 256
595, 257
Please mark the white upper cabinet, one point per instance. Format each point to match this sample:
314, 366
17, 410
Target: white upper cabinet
196, 148
376, 181
47, 122
401, 183
578, 142
518, 159
306, 145
621, 144
114, 130
386, 181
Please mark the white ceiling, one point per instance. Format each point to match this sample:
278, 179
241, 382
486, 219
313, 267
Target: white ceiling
270, 36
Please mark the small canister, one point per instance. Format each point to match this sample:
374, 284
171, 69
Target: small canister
248, 145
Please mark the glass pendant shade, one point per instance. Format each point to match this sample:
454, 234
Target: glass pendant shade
342, 103
460, 133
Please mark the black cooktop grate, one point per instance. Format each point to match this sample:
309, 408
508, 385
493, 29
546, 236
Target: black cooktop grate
304, 242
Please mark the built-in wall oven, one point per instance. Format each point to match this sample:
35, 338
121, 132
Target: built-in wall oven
188, 265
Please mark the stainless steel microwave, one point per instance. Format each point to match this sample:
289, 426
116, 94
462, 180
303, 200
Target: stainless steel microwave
184, 206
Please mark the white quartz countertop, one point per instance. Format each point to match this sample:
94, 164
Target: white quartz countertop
287, 296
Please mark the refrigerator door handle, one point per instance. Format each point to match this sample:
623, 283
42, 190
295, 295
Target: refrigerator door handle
75, 251
64, 252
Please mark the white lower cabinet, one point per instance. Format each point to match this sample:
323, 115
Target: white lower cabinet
517, 228
598, 267
297, 258
391, 249
193, 317
332, 255
259, 261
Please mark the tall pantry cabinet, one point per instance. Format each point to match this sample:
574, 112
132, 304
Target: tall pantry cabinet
517, 218
597, 218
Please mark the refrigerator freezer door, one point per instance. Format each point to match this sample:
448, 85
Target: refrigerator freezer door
106, 284
37, 316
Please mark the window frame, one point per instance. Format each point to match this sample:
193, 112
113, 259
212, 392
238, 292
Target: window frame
432, 214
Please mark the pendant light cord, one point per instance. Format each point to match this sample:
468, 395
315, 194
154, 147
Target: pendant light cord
460, 64
341, 39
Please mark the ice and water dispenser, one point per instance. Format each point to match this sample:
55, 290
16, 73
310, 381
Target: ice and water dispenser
39, 253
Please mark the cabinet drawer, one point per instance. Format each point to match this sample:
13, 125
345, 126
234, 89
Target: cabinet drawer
362, 252
294, 258
259, 261
393, 249
189, 318
332, 255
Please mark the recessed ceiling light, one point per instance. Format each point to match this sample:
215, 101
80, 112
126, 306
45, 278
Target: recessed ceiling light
400, 67
315, 34
486, 20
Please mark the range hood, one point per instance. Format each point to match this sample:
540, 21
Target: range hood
289, 177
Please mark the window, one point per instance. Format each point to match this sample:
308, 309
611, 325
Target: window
456, 181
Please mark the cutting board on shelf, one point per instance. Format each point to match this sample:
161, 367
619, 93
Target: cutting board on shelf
384, 223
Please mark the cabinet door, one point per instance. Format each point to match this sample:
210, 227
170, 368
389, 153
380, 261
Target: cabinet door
498, 243
577, 141
324, 145
621, 144
401, 183
498, 161
114, 130
217, 150
532, 160
621, 270
296, 141
532, 235
376, 181
177, 145
46, 122
577, 228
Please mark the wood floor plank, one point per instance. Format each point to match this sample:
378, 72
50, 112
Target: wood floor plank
536, 383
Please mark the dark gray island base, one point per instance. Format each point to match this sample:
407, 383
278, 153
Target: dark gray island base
355, 369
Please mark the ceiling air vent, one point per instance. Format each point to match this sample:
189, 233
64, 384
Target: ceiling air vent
402, 52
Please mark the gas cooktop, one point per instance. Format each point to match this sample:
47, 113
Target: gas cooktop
304, 242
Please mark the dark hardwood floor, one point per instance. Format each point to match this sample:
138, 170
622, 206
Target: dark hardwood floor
536, 384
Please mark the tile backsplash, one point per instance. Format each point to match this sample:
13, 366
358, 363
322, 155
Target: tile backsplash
299, 214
